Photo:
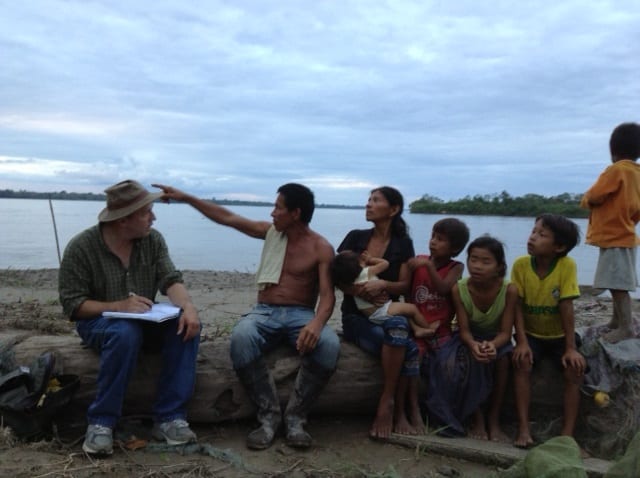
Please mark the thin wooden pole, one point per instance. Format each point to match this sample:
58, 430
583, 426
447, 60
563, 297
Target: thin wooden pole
55, 230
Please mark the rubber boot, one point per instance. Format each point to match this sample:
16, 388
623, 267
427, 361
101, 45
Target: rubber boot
310, 380
261, 389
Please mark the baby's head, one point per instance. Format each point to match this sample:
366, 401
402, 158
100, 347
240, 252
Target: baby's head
345, 268
452, 231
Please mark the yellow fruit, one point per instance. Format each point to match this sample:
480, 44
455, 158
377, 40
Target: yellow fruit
601, 398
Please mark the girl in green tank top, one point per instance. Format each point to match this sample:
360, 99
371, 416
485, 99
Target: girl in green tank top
485, 306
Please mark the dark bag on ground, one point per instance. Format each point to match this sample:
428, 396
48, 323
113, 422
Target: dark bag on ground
30, 397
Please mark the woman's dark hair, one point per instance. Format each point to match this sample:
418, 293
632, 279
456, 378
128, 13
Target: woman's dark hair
399, 228
345, 268
494, 246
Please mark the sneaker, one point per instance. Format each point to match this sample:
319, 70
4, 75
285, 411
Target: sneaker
175, 432
98, 440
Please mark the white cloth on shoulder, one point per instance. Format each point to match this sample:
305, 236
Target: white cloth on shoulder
272, 258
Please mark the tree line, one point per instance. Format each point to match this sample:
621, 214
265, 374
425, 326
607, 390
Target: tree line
503, 204
22, 194
64, 195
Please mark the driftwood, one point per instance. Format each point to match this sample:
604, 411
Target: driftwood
354, 388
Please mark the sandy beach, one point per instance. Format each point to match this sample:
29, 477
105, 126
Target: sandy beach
29, 302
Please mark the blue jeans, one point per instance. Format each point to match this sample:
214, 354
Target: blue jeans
118, 341
267, 326
370, 337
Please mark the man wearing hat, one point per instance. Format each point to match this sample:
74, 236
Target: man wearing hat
119, 265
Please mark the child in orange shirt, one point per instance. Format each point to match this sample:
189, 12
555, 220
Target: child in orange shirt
614, 205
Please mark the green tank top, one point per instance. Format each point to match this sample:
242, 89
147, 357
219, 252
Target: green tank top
487, 323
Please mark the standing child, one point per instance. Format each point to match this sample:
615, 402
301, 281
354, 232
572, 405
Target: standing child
485, 306
614, 204
350, 268
547, 283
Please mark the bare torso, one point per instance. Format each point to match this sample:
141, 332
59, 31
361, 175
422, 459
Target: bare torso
299, 280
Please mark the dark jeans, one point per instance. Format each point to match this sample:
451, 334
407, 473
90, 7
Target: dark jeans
118, 341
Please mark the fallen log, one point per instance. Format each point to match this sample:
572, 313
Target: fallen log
219, 396
354, 388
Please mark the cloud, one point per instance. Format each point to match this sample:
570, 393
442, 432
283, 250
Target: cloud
449, 99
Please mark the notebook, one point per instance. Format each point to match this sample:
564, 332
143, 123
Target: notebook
158, 313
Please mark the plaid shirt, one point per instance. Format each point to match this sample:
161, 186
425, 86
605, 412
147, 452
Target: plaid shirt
89, 270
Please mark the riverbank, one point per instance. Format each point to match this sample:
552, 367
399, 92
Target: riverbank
29, 302
221, 297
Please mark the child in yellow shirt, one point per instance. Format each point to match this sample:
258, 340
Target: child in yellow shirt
547, 283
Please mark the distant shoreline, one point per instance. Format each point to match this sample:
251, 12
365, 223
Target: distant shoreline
66, 196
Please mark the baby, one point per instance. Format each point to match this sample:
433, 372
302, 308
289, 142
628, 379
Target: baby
351, 268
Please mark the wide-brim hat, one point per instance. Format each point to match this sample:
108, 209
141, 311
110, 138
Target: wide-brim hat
124, 198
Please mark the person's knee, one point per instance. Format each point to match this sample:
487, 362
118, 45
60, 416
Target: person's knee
327, 350
396, 322
396, 331
124, 335
522, 371
244, 332
572, 376
244, 346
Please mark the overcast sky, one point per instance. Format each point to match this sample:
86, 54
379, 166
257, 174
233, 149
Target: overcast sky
230, 99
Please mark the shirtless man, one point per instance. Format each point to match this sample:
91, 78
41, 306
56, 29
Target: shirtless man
286, 310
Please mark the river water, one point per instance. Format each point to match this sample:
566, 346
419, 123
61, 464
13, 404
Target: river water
28, 240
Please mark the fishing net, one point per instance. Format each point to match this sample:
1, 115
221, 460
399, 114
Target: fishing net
606, 431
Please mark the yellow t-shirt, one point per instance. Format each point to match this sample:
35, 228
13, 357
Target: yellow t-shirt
541, 297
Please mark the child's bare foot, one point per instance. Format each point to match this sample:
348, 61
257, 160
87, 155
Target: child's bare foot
616, 335
496, 434
478, 429
478, 433
417, 423
523, 440
422, 333
402, 426
426, 332
383, 422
